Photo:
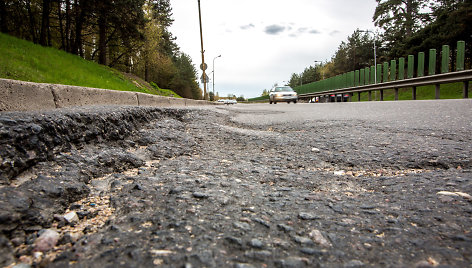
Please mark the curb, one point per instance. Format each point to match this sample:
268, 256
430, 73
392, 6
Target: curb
28, 96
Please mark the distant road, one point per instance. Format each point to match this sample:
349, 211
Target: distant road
435, 114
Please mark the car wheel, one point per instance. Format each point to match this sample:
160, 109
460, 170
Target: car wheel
294, 101
270, 102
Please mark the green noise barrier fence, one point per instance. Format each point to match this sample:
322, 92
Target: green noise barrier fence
404, 72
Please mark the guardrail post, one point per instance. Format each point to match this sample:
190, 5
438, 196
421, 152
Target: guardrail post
420, 64
370, 95
367, 76
393, 70
432, 62
414, 93
359, 96
356, 78
381, 95
352, 79
361, 77
379, 73
460, 56
372, 74
401, 68
445, 59
411, 62
385, 73
396, 93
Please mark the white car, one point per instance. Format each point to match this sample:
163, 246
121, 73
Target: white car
226, 101
284, 93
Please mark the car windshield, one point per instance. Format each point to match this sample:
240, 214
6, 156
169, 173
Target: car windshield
280, 89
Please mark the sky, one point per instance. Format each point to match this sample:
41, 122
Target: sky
262, 42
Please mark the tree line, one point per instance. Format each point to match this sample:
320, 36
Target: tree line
406, 28
129, 35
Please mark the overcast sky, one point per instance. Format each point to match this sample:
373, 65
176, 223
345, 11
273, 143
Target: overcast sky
262, 42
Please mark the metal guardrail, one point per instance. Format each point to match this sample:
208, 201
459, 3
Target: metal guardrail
452, 77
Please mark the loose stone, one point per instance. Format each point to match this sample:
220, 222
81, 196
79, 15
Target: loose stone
303, 240
242, 225
71, 217
285, 227
256, 243
319, 238
200, 195
47, 240
308, 216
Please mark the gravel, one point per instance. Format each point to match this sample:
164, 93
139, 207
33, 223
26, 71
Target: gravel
192, 188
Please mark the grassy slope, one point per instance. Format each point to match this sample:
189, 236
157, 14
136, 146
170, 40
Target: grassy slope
448, 91
23, 60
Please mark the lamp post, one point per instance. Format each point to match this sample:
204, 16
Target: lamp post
375, 53
203, 66
214, 74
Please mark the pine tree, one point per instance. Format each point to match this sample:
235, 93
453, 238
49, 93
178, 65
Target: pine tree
399, 19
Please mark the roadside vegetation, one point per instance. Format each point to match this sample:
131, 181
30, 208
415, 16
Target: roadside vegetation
123, 36
23, 60
448, 91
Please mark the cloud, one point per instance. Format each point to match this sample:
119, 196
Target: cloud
335, 32
247, 27
274, 29
302, 30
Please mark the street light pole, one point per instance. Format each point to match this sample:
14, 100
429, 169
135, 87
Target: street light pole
203, 53
214, 75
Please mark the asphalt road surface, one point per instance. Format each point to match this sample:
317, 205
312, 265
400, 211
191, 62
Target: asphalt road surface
443, 114
288, 185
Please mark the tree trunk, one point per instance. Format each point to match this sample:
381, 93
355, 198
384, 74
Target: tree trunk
79, 22
102, 39
61, 26
68, 33
31, 21
43, 35
409, 17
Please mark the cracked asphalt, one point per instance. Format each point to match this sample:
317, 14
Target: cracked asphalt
306, 185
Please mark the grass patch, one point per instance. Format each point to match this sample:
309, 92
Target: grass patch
25, 61
448, 91
259, 98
